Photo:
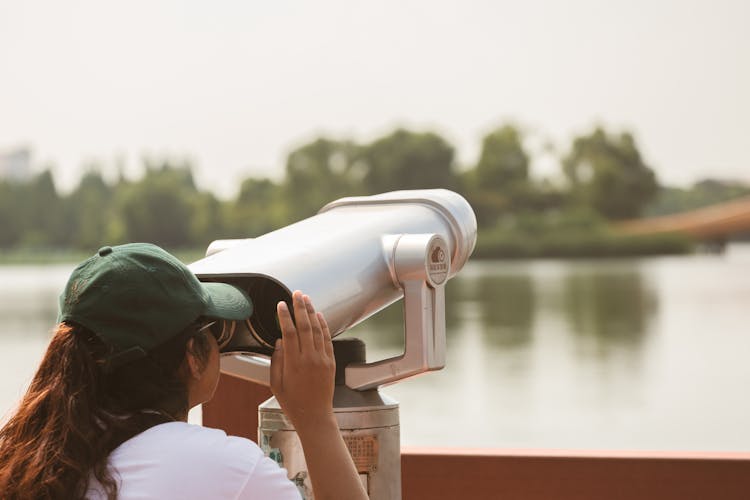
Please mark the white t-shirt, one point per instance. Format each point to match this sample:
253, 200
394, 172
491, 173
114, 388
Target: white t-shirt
185, 461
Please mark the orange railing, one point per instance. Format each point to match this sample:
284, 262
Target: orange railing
442, 474
716, 221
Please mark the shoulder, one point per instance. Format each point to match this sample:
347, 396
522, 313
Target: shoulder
187, 443
180, 460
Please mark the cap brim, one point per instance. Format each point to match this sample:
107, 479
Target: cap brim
227, 302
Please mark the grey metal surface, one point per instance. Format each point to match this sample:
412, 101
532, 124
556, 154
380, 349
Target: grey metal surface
371, 433
421, 266
343, 257
377, 410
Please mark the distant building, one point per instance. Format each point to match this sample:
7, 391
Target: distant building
15, 164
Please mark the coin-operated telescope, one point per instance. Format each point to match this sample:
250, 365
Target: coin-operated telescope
355, 257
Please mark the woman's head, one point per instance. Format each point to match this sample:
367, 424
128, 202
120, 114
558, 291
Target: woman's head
136, 297
130, 351
77, 410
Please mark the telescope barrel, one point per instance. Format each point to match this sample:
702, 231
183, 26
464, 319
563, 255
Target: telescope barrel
343, 257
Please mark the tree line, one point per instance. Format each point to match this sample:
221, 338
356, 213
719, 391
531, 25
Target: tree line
603, 177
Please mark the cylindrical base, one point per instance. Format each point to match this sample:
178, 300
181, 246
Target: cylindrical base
369, 423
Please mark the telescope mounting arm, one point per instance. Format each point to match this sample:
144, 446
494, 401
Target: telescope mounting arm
421, 263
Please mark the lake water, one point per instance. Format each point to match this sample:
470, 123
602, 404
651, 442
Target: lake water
649, 354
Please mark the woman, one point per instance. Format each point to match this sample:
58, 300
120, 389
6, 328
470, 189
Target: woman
105, 415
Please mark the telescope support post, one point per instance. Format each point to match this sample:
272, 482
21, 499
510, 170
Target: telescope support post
421, 263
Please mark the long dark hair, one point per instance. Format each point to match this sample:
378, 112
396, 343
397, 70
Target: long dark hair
76, 412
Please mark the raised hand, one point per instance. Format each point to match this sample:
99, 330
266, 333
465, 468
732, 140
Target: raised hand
302, 379
302, 365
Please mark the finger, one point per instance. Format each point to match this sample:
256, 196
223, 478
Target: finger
288, 330
317, 332
304, 330
327, 342
277, 368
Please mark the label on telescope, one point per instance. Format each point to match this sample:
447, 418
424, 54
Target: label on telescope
438, 263
364, 452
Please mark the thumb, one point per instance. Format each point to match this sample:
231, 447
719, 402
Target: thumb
277, 367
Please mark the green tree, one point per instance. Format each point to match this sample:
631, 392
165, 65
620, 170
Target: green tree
207, 222
499, 184
319, 172
608, 173
158, 208
11, 222
258, 209
408, 160
89, 211
503, 162
42, 213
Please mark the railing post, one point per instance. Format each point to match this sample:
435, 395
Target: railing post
234, 407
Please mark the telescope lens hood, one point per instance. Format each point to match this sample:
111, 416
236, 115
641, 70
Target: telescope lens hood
258, 333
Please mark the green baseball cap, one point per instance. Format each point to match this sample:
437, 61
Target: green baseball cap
137, 296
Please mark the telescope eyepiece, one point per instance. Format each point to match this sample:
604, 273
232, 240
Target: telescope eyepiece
259, 332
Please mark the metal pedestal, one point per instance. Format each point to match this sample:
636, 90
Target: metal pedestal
369, 423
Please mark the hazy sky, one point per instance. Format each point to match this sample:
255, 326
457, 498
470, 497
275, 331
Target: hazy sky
235, 84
